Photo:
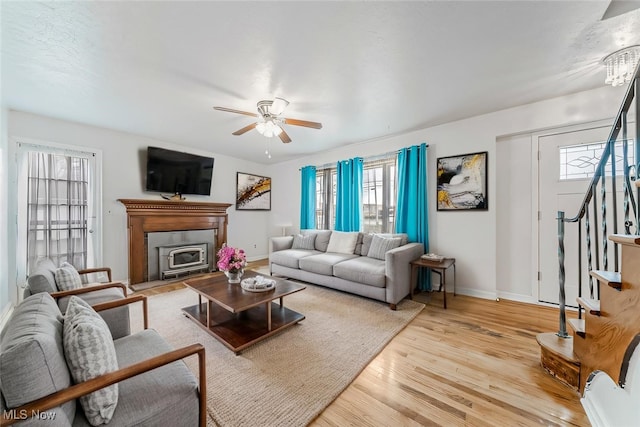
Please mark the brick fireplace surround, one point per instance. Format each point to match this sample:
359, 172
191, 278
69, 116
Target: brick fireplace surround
147, 216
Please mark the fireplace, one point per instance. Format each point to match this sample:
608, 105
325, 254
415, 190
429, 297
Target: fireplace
174, 260
146, 217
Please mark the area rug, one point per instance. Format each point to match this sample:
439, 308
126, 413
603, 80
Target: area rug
288, 379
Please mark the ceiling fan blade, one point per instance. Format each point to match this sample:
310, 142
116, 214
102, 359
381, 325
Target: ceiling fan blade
245, 129
617, 7
284, 137
230, 110
304, 123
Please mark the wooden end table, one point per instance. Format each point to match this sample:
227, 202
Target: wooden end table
239, 318
438, 267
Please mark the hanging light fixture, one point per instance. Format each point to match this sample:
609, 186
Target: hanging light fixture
268, 127
621, 64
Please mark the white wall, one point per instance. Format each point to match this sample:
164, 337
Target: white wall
123, 170
515, 257
470, 237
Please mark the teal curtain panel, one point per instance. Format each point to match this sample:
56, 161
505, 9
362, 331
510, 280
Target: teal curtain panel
349, 195
308, 198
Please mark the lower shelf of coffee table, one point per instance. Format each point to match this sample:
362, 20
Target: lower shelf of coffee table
240, 330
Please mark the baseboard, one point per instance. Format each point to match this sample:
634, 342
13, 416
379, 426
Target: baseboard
516, 297
475, 293
6, 313
257, 258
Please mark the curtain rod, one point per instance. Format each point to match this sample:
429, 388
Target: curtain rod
365, 159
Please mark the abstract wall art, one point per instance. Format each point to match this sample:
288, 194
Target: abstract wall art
462, 182
253, 192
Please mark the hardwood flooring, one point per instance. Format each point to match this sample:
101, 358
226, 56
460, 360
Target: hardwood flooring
476, 363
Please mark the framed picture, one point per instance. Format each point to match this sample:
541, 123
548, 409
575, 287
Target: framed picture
462, 182
253, 192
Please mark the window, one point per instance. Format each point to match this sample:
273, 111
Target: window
58, 206
580, 161
378, 195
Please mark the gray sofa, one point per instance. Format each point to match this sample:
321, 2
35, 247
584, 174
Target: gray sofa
42, 279
370, 268
155, 387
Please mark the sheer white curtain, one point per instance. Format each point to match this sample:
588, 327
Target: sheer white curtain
57, 206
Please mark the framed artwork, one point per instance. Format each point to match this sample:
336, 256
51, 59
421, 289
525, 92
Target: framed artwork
253, 192
462, 182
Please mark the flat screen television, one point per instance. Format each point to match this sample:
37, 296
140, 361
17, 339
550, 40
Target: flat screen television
176, 172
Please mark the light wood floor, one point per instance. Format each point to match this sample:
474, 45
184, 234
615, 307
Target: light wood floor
475, 364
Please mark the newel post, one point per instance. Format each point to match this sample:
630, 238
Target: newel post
562, 332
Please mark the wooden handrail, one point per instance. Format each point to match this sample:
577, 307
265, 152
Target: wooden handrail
105, 380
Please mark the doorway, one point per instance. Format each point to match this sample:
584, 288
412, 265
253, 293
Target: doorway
566, 162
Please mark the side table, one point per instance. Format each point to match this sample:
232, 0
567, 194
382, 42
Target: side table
438, 267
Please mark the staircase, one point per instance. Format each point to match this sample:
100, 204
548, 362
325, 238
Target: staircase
609, 276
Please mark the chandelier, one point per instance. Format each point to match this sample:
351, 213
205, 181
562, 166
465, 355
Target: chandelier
621, 64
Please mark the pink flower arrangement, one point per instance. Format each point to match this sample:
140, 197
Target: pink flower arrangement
231, 259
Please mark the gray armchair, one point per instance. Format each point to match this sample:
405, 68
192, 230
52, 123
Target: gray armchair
43, 280
36, 378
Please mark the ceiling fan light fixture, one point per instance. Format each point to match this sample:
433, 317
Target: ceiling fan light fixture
621, 64
278, 106
268, 128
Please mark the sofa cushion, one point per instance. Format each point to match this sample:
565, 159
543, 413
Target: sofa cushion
291, 257
370, 271
342, 242
42, 278
322, 238
301, 241
323, 263
380, 246
90, 352
67, 277
32, 362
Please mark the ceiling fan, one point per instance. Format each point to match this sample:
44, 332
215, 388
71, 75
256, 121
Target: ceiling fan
269, 121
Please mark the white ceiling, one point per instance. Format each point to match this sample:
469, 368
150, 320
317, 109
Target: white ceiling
364, 69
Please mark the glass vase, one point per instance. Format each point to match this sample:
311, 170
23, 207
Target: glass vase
234, 276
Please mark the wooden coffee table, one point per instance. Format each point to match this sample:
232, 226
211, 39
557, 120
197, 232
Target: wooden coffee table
240, 318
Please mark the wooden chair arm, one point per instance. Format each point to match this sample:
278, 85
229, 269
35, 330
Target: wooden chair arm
86, 387
97, 270
125, 301
62, 294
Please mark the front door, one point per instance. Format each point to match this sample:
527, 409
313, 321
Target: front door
574, 154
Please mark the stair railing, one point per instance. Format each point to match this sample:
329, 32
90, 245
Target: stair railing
596, 221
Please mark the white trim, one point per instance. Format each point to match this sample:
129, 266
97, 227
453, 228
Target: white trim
5, 315
476, 293
517, 297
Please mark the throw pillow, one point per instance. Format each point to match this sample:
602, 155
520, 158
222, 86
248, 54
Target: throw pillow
67, 277
342, 242
304, 242
89, 350
322, 238
366, 244
380, 246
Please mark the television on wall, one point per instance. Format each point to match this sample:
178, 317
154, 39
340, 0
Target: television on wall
176, 172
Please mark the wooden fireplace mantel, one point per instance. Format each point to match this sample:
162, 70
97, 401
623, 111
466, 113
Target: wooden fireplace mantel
148, 216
